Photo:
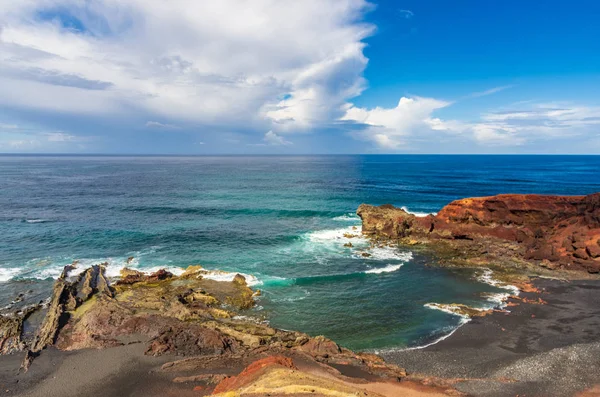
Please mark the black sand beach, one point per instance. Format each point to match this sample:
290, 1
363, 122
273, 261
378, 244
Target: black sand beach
550, 349
118, 371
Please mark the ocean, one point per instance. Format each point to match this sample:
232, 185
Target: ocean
279, 220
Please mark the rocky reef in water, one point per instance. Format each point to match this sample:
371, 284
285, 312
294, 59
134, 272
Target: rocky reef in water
551, 232
197, 320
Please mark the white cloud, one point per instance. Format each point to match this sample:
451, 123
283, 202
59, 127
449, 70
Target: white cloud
389, 127
318, 94
156, 124
273, 139
285, 65
413, 121
23, 139
407, 14
62, 137
491, 91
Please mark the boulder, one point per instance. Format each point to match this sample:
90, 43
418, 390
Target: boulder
320, 346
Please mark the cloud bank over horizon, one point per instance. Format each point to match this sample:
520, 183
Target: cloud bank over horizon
248, 75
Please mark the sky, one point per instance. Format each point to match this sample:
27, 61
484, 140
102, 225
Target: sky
299, 77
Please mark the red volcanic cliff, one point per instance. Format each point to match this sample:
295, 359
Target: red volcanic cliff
562, 230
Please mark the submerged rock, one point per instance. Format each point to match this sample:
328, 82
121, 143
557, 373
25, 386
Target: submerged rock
460, 309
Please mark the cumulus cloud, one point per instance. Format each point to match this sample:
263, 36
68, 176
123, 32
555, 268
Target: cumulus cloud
413, 120
390, 127
283, 65
236, 68
272, 138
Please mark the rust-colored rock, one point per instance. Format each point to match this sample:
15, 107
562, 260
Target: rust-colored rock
252, 372
562, 231
320, 346
66, 297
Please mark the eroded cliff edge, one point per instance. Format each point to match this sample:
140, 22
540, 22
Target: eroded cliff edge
551, 232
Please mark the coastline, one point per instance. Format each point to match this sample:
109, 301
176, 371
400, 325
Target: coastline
540, 337
548, 349
129, 337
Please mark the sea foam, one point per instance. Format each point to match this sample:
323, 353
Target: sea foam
43, 270
333, 240
349, 217
219, 275
418, 214
387, 269
7, 274
486, 277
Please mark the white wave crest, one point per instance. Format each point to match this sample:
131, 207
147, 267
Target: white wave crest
46, 269
462, 322
450, 309
418, 214
345, 234
7, 274
497, 299
349, 217
175, 270
385, 254
36, 220
220, 275
486, 277
335, 241
387, 269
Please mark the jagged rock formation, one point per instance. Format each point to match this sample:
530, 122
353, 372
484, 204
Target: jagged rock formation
189, 316
554, 231
11, 330
67, 296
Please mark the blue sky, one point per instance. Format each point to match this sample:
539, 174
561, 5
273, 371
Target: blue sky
277, 76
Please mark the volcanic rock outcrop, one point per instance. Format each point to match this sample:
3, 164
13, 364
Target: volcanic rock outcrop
188, 315
552, 231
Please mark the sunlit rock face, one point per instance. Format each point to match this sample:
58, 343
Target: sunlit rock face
553, 231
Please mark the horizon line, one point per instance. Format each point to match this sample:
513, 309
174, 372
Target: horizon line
282, 154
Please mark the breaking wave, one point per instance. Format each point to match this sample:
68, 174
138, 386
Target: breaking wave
349, 217
418, 214
349, 242
46, 269
220, 275
486, 277
7, 274
387, 269
326, 278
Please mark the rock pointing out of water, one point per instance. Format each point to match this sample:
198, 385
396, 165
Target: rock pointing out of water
551, 231
190, 316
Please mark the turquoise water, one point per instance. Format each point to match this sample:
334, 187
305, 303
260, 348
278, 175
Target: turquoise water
279, 219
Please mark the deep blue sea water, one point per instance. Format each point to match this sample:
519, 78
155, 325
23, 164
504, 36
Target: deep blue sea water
279, 219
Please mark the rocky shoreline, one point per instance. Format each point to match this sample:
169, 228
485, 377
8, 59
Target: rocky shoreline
161, 334
547, 341
190, 324
514, 234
